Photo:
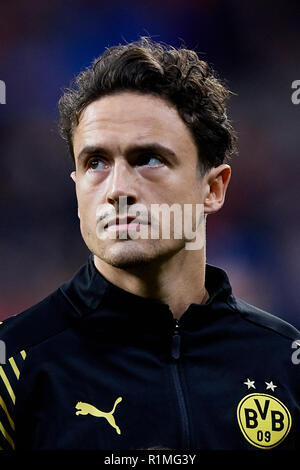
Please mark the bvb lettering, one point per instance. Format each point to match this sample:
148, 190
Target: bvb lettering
263, 419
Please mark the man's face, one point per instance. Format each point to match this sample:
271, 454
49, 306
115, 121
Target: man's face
136, 146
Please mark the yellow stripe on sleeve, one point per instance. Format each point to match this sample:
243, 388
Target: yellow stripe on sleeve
2, 403
7, 436
23, 354
7, 385
14, 367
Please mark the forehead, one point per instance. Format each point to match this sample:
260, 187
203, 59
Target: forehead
129, 117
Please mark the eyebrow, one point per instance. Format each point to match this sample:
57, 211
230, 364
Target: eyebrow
131, 150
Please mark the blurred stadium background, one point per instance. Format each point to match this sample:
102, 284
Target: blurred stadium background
254, 45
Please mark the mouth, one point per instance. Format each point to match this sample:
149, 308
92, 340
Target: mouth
124, 223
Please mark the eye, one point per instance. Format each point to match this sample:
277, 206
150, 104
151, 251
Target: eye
96, 163
149, 160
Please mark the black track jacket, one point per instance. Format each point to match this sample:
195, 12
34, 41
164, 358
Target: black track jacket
95, 367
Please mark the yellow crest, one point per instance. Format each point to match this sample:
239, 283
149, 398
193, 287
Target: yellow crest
264, 420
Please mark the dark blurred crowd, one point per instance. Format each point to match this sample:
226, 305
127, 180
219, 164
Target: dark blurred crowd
255, 47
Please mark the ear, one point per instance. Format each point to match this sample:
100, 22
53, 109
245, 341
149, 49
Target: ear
217, 180
73, 176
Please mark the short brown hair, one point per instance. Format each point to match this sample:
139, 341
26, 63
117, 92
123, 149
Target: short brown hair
177, 75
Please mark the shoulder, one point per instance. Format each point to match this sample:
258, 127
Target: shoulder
264, 320
47, 318
18, 334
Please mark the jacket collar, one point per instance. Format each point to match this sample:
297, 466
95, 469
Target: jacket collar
88, 291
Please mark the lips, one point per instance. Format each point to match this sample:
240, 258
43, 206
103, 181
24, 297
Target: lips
124, 221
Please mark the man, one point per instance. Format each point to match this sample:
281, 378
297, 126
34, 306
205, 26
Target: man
146, 346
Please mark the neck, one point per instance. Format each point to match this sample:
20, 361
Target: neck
178, 281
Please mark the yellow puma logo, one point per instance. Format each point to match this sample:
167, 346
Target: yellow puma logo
87, 409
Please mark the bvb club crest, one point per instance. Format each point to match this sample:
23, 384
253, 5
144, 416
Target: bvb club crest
263, 419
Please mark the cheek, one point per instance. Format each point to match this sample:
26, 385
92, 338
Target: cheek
185, 192
193, 190
87, 205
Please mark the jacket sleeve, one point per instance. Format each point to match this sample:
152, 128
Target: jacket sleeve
9, 376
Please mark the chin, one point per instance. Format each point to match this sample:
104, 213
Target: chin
129, 254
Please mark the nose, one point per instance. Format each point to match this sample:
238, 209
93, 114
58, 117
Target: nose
122, 182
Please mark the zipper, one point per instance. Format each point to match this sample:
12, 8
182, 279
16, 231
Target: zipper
175, 365
176, 341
